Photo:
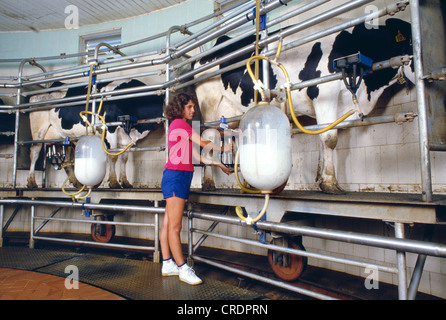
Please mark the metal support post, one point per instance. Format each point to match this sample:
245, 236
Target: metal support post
419, 266
2, 208
426, 182
401, 261
31, 236
190, 250
156, 253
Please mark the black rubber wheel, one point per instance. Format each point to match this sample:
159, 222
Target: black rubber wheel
295, 264
102, 233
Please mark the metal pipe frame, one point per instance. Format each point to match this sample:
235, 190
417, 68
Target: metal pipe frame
426, 179
404, 245
269, 24
276, 283
83, 84
65, 204
2, 215
17, 115
396, 118
291, 251
130, 92
130, 44
399, 244
419, 266
401, 261
264, 42
167, 58
389, 10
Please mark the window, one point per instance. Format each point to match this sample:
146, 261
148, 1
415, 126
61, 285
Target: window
89, 42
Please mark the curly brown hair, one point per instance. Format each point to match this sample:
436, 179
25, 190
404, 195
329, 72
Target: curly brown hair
175, 108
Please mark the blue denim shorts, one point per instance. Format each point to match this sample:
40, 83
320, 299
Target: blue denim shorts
176, 183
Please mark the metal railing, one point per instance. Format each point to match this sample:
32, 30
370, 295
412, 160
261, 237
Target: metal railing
84, 206
397, 243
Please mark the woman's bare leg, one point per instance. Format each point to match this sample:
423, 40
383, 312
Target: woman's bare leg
170, 232
164, 241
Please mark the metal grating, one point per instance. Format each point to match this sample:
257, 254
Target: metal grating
132, 279
27, 259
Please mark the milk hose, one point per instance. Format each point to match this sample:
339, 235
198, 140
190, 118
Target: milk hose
257, 88
290, 102
74, 195
90, 82
238, 209
103, 130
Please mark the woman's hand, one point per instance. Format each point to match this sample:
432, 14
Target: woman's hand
225, 169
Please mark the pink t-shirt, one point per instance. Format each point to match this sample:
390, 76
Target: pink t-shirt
180, 146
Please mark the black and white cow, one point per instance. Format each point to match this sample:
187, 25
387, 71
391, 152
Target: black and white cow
231, 93
59, 123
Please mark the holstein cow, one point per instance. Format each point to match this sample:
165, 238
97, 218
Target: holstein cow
231, 93
58, 123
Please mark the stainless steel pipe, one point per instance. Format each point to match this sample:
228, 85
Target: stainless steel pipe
404, 245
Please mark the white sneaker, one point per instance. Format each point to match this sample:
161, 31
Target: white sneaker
187, 274
169, 268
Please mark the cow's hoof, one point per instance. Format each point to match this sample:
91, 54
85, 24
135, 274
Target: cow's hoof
126, 185
32, 184
208, 186
331, 188
114, 185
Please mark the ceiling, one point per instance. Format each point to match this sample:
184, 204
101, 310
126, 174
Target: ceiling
37, 15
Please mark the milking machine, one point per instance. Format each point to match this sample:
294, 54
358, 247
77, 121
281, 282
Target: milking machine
353, 68
265, 140
264, 155
90, 161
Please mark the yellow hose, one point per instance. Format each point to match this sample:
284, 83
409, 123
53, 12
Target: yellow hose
84, 196
238, 209
74, 194
103, 133
242, 187
249, 220
258, 86
290, 102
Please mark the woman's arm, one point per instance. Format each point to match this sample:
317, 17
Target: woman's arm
209, 144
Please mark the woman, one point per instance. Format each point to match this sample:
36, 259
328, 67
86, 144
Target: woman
176, 182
